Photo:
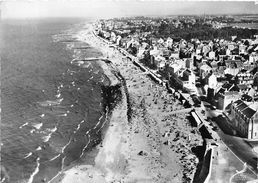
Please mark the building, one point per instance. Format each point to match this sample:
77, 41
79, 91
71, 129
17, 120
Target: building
204, 71
245, 78
185, 79
189, 63
233, 67
253, 57
245, 119
226, 94
169, 42
212, 55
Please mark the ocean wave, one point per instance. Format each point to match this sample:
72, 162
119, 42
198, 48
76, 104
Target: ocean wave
58, 95
51, 102
27, 155
25, 124
47, 137
78, 126
98, 122
105, 121
35, 171
42, 115
84, 148
63, 148
38, 148
88, 132
65, 114
62, 163
38, 126
52, 159
32, 130
60, 86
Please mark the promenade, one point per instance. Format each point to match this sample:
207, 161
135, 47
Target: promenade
224, 162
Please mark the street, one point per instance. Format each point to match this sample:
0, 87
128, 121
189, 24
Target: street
231, 147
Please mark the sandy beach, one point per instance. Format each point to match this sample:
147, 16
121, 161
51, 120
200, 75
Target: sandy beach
147, 140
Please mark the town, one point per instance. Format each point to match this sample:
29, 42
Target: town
208, 64
220, 71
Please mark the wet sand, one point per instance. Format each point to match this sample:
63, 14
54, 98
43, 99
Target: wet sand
146, 141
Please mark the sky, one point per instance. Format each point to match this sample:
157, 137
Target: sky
119, 8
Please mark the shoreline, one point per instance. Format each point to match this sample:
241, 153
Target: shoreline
149, 144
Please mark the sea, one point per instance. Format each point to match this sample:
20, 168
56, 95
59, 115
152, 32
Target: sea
52, 111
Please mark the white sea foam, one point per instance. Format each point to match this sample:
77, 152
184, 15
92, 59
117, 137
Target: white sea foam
62, 164
66, 145
53, 129
88, 132
71, 105
98, 122
46, 138
54, 177
78, 126
50, 102
42, 115
35, 171
24, 125
58, 95
32, 131
60, 100
73, 83
65, 114
106, 119
86, 64
38, 126
85, 146
78, 88
55, 157
28, 155
38, 148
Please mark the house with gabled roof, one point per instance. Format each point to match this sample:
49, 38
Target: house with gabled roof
226, 94
245, 119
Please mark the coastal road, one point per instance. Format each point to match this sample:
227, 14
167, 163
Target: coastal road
229, 157
237, 145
